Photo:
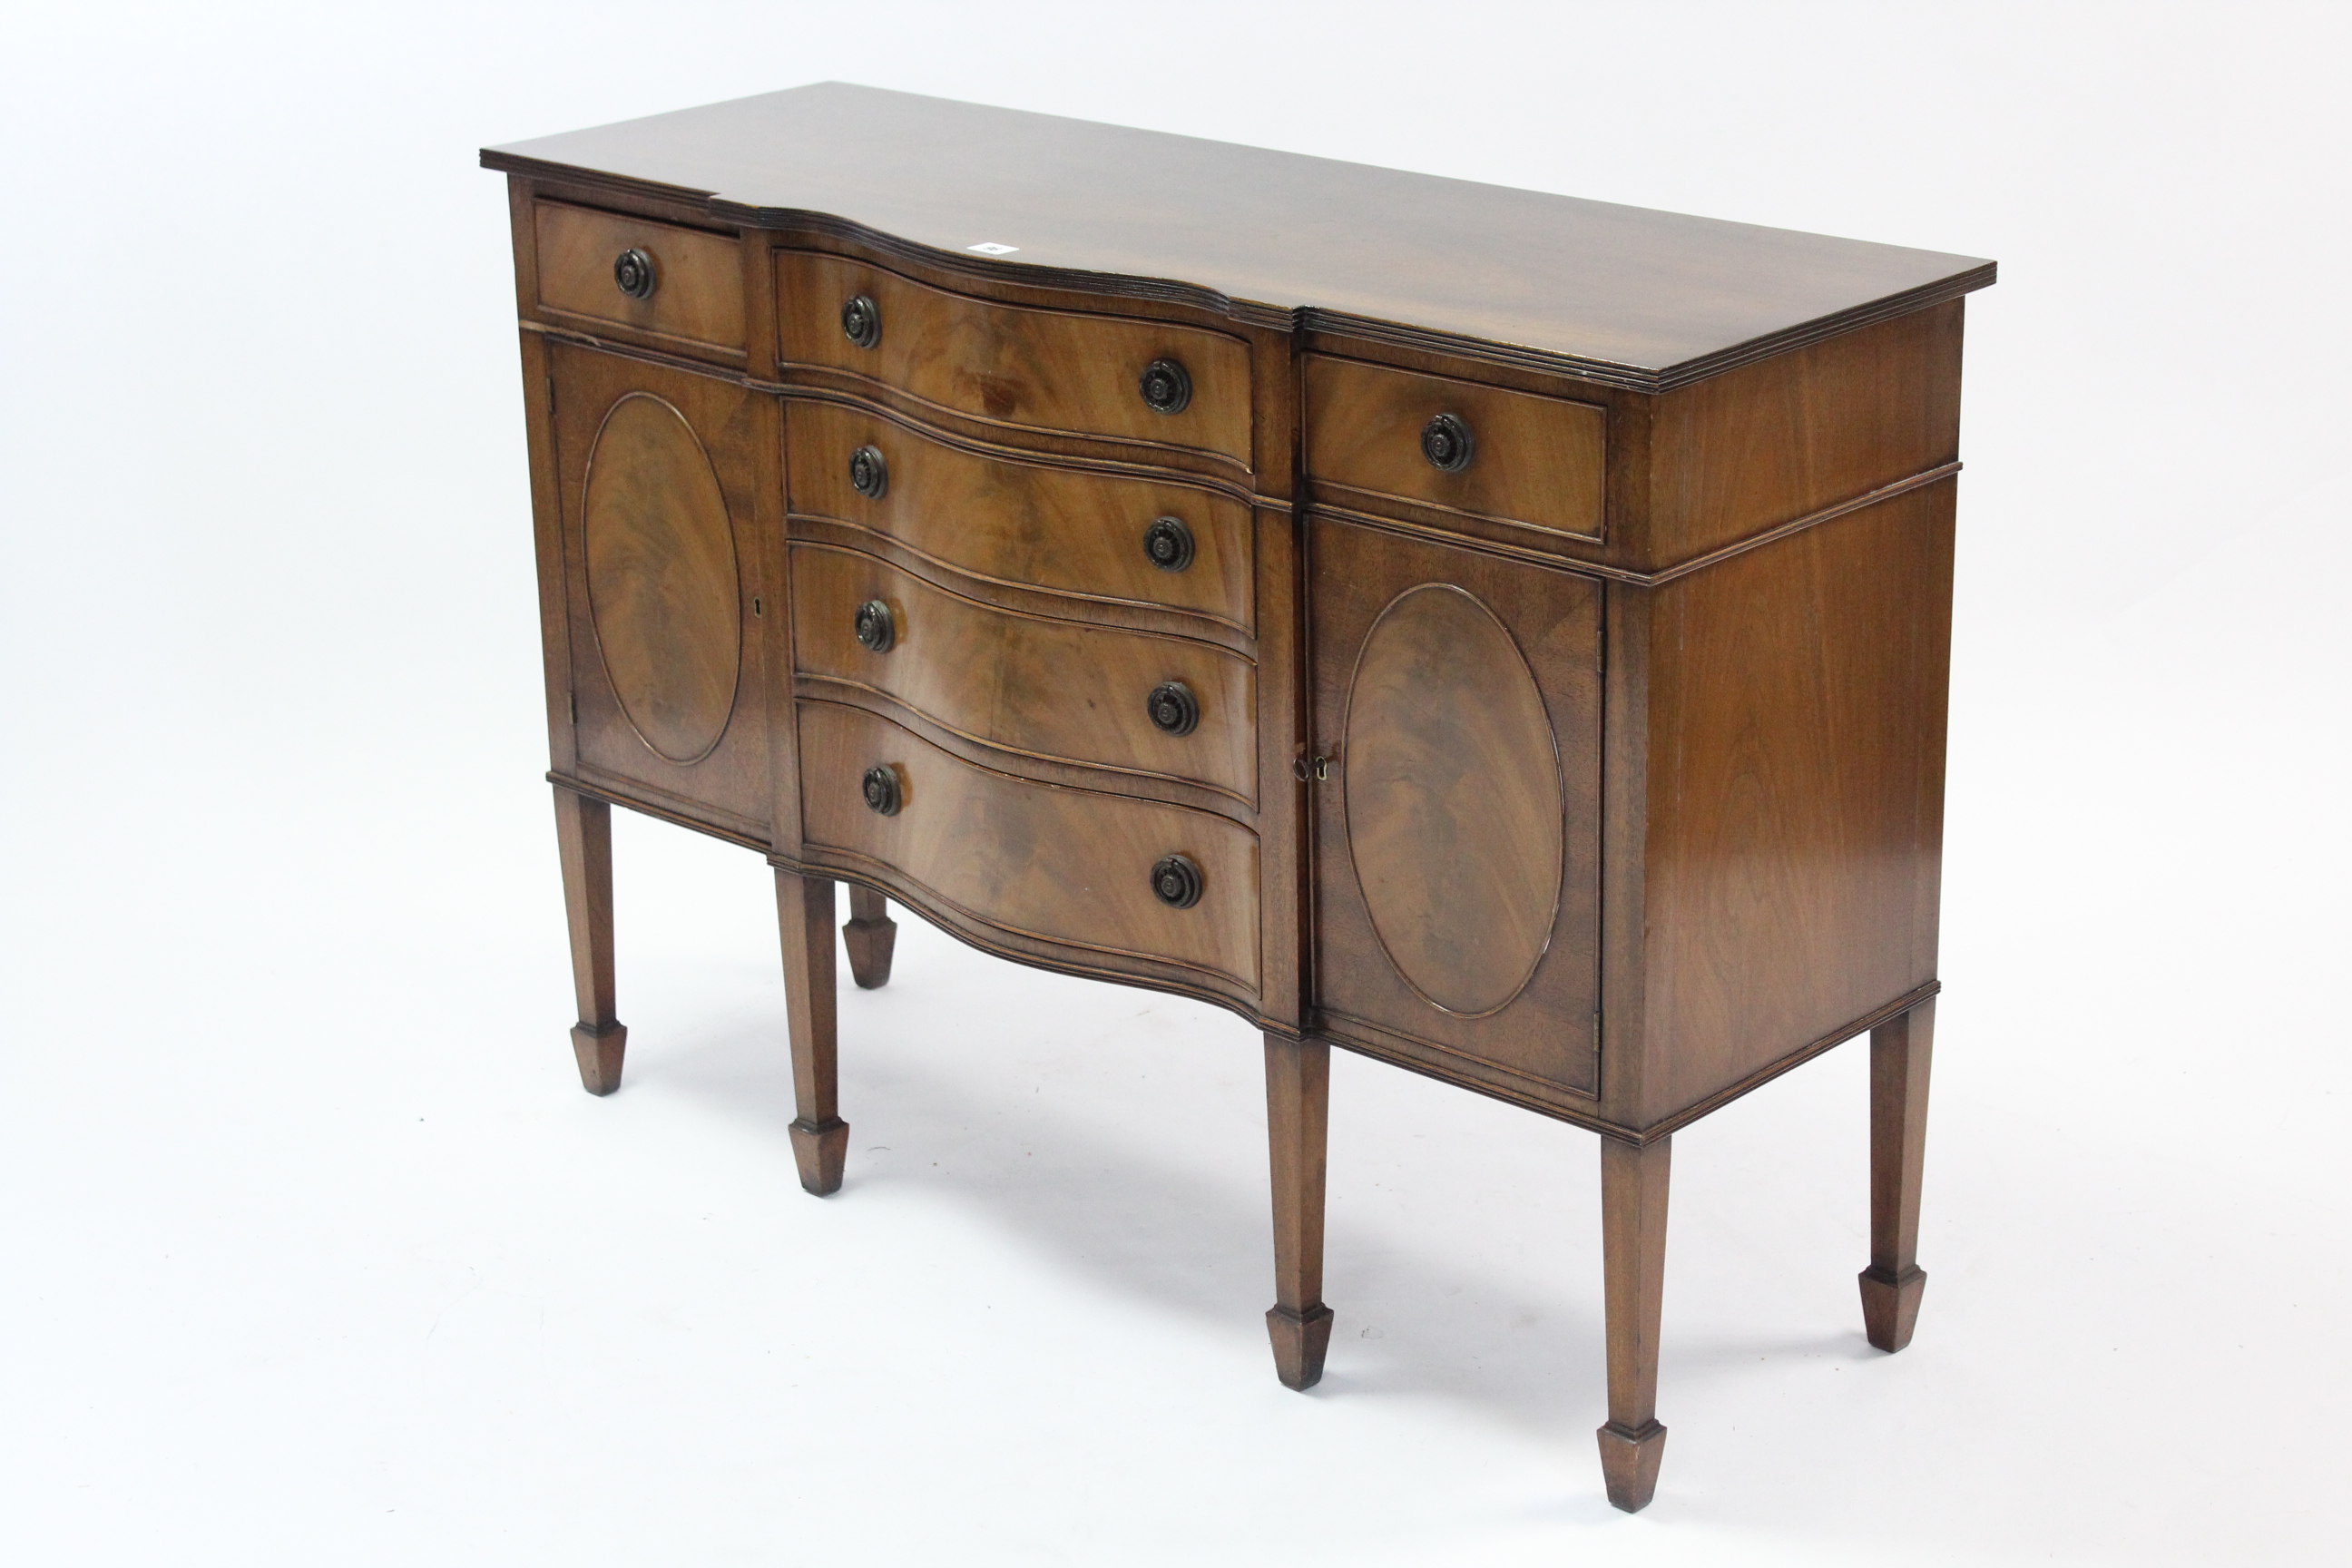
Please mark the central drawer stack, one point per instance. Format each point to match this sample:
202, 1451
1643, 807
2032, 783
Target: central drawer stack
1024, 615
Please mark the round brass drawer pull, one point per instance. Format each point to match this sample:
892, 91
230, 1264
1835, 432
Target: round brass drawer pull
1167, 544
869, 476
861, 321
1447, 443
632, 273
1166, 386
1176, 881
1174, 708
877, 631
880, 787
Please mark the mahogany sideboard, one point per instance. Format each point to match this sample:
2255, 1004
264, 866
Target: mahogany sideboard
1502, 634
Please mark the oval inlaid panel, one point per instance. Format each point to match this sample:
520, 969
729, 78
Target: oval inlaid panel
1453, 799
662, 585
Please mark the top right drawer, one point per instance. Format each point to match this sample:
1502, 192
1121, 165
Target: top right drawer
1376, 434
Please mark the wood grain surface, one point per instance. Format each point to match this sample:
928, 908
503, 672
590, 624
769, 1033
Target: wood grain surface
1538, 462
663, 585
1735, 455
1453, 801
1626, 295
1900, 1053
1282, 820
673, 637
869, 937
698, 299
804, 931
547, 531
1050, 370
1633, 1182
1006, 517
1298, 1127
1036, 686
1528, 892
584, 841
1794, 793
1710, 500
1072, 867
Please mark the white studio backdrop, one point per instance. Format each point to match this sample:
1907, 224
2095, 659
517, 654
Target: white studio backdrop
314, 1252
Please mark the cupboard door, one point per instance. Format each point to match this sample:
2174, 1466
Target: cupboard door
1457, 704
664, 582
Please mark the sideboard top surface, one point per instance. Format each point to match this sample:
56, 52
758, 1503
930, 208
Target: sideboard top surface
1633, 297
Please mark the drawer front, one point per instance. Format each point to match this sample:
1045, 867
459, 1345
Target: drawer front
694, 294
1065, 531
1048, 688
1052, 370
1532, 461
1068, 866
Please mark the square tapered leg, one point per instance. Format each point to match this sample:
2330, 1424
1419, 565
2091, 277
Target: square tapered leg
584, 837
804, 922
1893, 1284
868, 936
1297, 1105
1633, 1263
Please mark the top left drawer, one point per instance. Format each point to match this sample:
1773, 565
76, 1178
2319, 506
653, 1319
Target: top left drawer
665, 282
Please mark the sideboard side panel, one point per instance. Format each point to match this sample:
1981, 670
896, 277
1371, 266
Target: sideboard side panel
546, 507
1775, 441
1794, 835
1625, 794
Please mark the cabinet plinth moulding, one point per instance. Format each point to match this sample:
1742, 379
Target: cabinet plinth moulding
1500, 635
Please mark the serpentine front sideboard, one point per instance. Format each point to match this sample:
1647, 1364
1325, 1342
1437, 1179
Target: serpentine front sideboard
1499, 634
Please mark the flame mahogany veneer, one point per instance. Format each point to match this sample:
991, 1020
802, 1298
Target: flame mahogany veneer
1502, 634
